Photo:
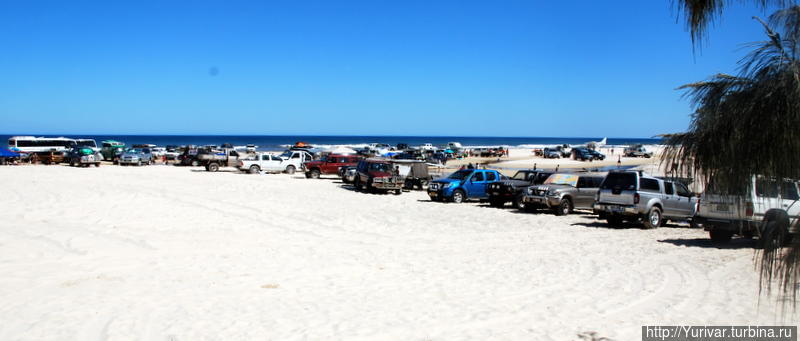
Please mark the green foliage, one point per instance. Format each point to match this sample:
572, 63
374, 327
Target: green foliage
747, 125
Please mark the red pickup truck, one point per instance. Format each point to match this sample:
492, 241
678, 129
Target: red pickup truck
329, 165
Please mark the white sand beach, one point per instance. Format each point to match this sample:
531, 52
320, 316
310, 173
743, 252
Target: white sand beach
169, 253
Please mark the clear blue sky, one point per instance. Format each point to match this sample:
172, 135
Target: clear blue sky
483, 68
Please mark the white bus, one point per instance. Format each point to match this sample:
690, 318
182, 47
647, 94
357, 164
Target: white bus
31, 144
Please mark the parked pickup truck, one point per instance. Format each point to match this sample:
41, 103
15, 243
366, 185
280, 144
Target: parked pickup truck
634, 196
378, 174
564, 192
767, 209
329, 165
463, 185
512, 189
213, 160
637, 151
288, 162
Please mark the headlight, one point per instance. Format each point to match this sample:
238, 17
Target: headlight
551, 192
530, 190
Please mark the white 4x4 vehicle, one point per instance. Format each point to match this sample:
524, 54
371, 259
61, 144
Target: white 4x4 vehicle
768, 210
289, 162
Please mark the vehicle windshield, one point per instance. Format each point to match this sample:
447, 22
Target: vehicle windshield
624, 181
379, 167
521, 176
134, 151
89, 143
460, 175
562, 179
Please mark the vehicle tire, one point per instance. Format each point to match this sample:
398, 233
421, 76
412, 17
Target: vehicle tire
195, 163
720, 236
397, 192
423, 183
614, 221
653, 219
774, 232
314, 174
138, 163
71, 163
519, 204
564, 207
97, 165
290, 169
458, 196
357, 183
212, 167
254, 169
496, 203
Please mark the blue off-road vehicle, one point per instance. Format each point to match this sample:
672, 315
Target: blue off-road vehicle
463, 185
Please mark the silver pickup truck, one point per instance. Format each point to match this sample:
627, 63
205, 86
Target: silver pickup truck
634, 196
563, 192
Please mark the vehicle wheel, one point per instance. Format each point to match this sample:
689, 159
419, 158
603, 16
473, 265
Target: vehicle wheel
254, 169
423, 183
357, 183
290, 169
497, 203
139, 163
564, 207
195, 163
458, 196
314, 174
653, 218
97, 165
397, 192
71, 163
773, 235
519, 204
720, 236
614, 221
212, 167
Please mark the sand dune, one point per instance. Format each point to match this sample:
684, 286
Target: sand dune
167, 253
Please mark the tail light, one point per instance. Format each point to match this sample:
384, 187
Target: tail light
241, 164
636, 198
748, 209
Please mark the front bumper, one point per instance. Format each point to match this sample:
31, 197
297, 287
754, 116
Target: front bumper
616, 209
547, 201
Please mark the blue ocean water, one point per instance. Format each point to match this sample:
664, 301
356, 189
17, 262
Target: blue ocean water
275, 142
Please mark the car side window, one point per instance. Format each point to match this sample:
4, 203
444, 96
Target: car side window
582, 182
789, 191
682, 190
490, 176
649, 185
668, 188
478, 176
